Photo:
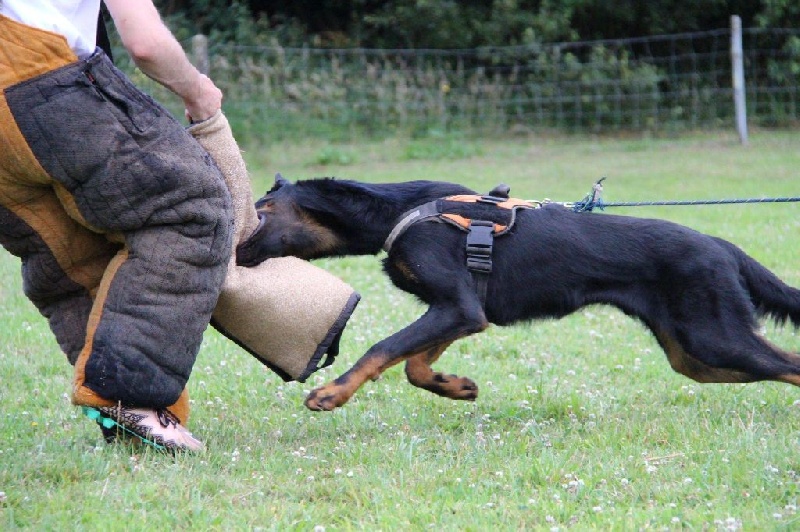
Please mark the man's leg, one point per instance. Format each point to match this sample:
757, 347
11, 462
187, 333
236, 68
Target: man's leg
126, 169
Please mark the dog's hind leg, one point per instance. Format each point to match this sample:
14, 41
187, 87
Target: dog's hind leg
752, 359
690, 366
782, 366
420, 374
431, 333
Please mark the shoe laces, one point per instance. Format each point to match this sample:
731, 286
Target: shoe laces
167, 418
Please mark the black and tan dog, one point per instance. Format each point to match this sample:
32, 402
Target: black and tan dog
699, 295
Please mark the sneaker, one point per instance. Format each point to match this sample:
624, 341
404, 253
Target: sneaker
156, 428
113, 434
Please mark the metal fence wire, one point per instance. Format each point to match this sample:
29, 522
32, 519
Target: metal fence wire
661, 83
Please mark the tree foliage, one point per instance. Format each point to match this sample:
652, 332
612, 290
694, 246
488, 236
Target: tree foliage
460, 24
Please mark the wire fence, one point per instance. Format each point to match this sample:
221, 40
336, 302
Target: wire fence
656, 84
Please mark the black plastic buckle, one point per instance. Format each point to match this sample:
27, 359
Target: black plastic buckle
479, 246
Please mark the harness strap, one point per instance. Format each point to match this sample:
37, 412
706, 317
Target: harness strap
425, 211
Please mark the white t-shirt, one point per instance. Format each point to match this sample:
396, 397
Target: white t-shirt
74, 19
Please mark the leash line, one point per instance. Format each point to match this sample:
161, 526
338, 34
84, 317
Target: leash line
594, 200
703, 202
581, 206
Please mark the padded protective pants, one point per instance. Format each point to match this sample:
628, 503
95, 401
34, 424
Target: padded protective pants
122, 221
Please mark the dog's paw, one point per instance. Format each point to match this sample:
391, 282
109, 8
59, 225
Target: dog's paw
455, 387
467, 389
326, 398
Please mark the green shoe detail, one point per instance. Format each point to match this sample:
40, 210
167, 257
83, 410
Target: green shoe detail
109, 423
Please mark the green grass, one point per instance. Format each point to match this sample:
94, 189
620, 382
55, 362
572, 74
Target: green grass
580, 423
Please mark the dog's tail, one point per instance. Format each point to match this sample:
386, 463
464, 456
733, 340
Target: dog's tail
771, 296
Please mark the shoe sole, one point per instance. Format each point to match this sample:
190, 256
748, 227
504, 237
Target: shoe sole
106, 422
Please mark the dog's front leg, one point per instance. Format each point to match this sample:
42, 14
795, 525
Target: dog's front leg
421, 375
430, 334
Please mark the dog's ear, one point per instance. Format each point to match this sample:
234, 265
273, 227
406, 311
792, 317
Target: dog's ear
279, 182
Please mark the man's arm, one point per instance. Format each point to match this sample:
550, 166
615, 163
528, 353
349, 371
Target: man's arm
160, 56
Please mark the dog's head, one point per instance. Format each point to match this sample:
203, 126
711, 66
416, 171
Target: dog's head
285, 229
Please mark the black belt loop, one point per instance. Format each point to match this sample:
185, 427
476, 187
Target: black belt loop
479, 255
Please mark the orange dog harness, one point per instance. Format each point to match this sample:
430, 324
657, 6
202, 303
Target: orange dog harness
480, 232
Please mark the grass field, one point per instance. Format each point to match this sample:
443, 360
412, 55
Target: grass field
580, 423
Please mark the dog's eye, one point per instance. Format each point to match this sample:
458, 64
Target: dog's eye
264, 203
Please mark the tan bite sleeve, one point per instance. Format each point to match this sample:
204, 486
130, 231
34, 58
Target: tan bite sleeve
285, 311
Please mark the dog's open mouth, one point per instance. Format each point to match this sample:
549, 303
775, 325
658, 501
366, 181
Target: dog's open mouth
247, 252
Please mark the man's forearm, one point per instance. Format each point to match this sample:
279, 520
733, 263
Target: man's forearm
160, 56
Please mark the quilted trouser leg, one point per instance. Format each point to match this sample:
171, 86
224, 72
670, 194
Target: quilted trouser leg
134, 182
60, 274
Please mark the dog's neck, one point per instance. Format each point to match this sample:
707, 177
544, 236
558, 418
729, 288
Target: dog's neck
363, 214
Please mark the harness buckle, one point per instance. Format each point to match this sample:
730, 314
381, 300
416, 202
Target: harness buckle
479, 246
479, 265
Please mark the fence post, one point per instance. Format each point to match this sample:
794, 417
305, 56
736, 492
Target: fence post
737, 62
200, 53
